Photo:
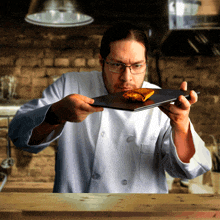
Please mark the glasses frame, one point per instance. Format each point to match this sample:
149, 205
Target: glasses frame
124, 67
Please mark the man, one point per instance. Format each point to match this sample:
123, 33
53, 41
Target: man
106, 150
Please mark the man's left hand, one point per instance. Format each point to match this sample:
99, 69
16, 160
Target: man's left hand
179, 111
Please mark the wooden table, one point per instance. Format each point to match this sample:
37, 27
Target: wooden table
22, 206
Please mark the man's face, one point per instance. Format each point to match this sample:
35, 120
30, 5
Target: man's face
128, 52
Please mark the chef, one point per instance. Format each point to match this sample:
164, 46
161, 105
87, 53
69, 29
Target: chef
107, 150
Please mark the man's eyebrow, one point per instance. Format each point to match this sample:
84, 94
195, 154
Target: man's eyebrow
115, 60
141, 61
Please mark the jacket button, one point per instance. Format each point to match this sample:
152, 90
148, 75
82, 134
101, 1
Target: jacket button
124, 182
103, 134
130, 139
96, 176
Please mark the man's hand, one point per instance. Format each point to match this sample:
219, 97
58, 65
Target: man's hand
179, 116
179, 112
74, 108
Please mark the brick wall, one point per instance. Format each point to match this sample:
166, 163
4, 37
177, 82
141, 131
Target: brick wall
35, 57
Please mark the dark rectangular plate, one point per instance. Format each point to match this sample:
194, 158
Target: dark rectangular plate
160, 97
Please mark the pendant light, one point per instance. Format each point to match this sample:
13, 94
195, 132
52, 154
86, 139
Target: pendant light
56, 13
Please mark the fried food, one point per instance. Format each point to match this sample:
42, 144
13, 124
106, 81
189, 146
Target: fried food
140, 95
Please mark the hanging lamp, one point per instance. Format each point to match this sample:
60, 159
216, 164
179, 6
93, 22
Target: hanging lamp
56, 13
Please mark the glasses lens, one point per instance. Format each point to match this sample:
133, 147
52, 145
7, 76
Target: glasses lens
116, 67
138, 68
120, 67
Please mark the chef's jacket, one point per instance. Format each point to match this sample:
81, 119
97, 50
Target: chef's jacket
113, 151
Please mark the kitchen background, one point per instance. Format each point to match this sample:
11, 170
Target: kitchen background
32, 57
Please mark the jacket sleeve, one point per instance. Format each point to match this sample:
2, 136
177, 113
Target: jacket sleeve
199, 164
32, 114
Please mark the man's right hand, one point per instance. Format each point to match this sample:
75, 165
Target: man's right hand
74, 108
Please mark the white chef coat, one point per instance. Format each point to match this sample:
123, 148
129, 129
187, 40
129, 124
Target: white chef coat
113, 151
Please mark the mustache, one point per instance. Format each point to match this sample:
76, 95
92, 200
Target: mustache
125, 85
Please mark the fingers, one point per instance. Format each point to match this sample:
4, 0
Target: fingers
193, 97
182, 103
84, 98
183, 86
90, 109
179, 112
75, 108
84, 104
165, 110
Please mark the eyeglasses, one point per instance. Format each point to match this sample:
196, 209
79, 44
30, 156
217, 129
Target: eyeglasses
135, 69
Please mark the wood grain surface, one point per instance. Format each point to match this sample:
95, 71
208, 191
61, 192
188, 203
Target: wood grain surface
108, 206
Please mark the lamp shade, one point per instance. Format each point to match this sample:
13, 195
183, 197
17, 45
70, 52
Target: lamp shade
56, 13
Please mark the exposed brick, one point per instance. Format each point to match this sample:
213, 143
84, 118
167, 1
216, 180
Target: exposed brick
41, 43
83, 53
208, 140
40, 82
3, 122
30, 53
35, 72
74, 42
48, 171
4, 61
209, 129
92, 42
14, 172
83, 69
50, 53
35, 172
206, 61
96, 52
174, 83
48, 151
59, 71
37, 92
210, 90
3, 142
98, 38
3, 149
93, 62
175, 63
40, 162
62, 62
31, 62
51, 160
24, 42
3, 132
60, 44
20, 172
6, 70
209, 99
47, 62
8, 51
24, 81
24, 92
80, 62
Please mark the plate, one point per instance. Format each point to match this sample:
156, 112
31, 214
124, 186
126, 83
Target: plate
160, 97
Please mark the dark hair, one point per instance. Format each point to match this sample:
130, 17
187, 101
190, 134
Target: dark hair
122, 31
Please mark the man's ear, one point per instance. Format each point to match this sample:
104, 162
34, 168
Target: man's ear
100, 60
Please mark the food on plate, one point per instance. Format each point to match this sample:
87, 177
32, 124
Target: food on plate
140, 95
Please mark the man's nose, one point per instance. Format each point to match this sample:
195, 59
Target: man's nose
126, 74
